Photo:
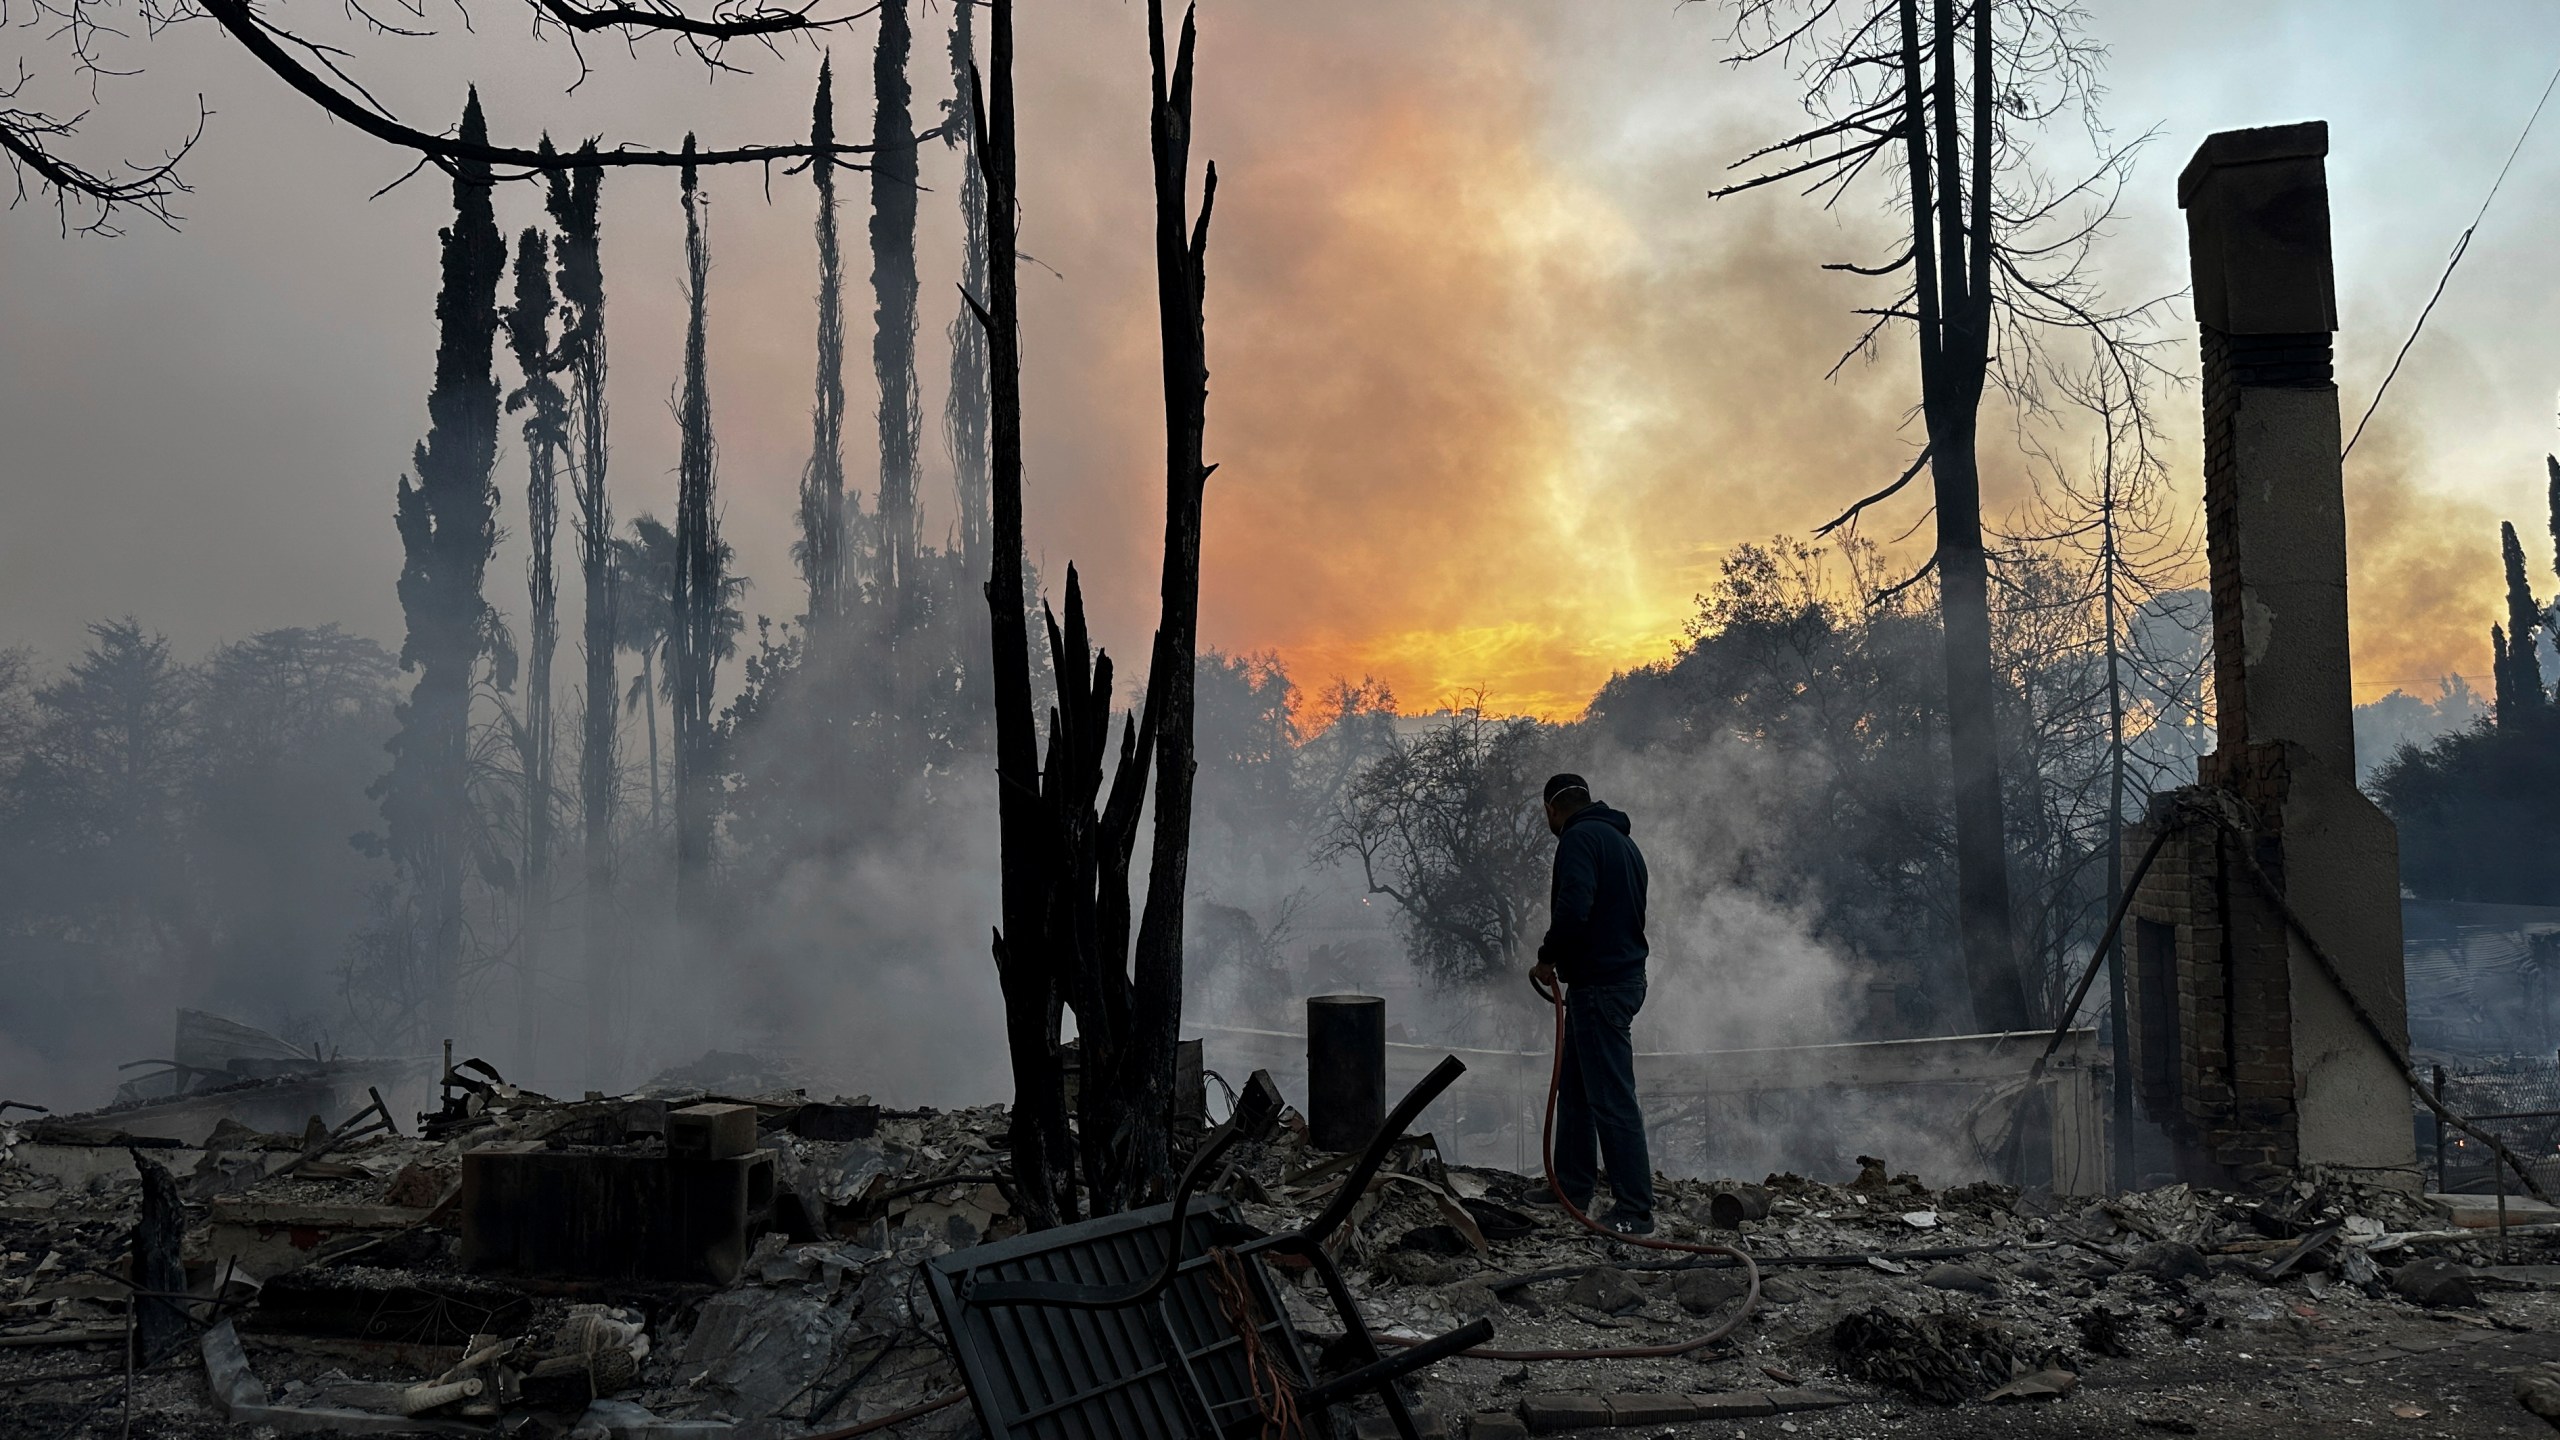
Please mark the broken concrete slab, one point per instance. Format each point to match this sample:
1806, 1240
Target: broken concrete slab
1651, 1409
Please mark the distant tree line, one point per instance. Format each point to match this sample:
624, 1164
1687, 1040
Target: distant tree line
2475, 805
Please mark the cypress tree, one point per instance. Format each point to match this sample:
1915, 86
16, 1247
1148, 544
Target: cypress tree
822, 517
893, 289
447, 516
2552, 463
573, 205
546, 427
2519, 668
694, 604
964, 410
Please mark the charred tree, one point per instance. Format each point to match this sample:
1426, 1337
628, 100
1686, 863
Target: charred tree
893, 334
822, 510
1067, 849
546, 430
2518, 668
1091, 842
1182, 246
447, 518
158, 1266
1943, 94
695, 596
573, 202
964, 411
1043, 1163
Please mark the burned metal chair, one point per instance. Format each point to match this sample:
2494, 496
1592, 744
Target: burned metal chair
1163, 1323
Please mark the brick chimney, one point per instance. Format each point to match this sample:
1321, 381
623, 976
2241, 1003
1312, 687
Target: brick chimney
2243, 1048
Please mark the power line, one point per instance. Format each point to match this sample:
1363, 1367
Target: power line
2460, 247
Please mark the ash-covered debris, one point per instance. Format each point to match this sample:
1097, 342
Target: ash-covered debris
335, 1279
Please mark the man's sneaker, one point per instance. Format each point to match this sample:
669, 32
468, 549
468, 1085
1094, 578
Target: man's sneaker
1625, 1222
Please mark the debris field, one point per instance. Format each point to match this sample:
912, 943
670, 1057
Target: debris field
355, 1280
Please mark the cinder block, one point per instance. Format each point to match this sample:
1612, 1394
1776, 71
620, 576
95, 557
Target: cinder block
1651, 1409
1496, 1425
711, 1132
1740, 1405
1547, 1414
611, 1215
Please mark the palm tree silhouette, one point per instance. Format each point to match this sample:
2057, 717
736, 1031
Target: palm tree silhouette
644, 564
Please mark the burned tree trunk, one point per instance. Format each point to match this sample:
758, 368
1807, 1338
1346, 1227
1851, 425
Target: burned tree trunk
573, 200
448, 526
1088, 901
1951, 277
1066, 935
1042, 1152
822, 517
694, 600
545, 432
1182, 245
159, 1266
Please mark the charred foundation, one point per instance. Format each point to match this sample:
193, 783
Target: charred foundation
2246, 1049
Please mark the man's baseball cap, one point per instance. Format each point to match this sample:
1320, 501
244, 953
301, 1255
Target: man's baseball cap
1560, 784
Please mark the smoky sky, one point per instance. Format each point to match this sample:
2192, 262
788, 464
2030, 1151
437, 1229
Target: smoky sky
1494, 385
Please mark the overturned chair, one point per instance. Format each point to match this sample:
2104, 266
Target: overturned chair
1163, 1323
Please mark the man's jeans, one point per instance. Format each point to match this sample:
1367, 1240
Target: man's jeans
1596, 1103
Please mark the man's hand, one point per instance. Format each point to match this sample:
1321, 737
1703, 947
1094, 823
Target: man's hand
1543, 975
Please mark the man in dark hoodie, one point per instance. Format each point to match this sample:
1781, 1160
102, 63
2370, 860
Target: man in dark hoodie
1595, 945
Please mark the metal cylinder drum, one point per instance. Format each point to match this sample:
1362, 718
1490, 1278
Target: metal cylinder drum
1727, 1209
1346, 1070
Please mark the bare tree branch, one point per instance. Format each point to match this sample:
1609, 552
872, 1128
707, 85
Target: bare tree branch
28, 138
1844, 517
261, 40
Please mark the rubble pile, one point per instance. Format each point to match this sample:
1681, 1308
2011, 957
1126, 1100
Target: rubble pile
336, 1282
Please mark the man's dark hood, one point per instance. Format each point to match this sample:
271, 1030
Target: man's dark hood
1597, 813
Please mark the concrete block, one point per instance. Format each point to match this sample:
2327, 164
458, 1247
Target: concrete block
1740, 1405
1548, 1414
1651, 1409
1496, 1425
1787, 1402
711, 1132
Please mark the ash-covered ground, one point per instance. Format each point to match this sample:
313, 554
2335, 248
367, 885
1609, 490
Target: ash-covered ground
330, 1293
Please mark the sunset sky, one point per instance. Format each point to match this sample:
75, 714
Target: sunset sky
1494, 383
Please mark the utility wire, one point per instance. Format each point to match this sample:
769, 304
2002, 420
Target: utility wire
2460, 247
